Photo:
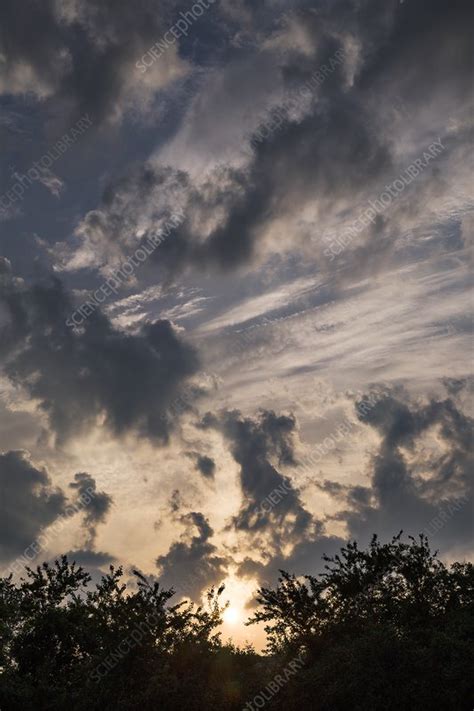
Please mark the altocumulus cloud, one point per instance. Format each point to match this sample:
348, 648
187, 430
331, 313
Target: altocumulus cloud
335, 153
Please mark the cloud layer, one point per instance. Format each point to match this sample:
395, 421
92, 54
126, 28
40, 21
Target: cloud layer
129, 380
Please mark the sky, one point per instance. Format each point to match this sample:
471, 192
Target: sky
235, 285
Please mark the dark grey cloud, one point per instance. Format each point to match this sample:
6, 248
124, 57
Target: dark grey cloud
29, 503
405, 79
94, 507
306, 558
95, 512
204, 464
456, 385
411, 33
331, 153
81, 54
410, 487
144, 199
132, 380
322, 156
272, 512
191, 566
258, 445
175, 502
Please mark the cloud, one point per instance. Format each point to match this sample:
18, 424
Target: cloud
230, 209
133, 208
191, 566
29, 503
96, 510
132, 382
420, 479
83, 54
305, 558
332, 151
272, 514
327, 159
255, 444
204, 464
261, 210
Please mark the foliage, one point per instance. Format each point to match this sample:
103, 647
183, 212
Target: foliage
390, 627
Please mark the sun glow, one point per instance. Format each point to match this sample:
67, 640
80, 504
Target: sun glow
239, 593
231, 616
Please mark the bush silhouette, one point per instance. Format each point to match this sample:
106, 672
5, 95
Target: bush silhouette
390, 627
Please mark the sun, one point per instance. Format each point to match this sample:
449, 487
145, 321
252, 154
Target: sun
231, 616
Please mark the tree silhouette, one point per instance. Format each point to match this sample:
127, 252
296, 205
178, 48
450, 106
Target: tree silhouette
390, 627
